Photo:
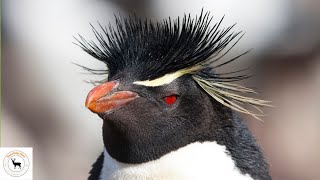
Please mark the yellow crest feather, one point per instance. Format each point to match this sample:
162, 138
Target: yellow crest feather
226, 94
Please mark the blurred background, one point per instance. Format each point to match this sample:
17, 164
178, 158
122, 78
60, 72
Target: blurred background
43, 93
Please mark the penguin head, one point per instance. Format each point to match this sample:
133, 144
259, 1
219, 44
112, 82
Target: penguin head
162, 91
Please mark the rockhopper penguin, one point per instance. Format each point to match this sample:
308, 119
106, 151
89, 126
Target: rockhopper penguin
166, 113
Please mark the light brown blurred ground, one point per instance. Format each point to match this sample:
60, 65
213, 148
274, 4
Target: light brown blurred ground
43, 93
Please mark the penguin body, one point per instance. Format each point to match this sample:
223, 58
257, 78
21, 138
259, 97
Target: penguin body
166, 113
206, 160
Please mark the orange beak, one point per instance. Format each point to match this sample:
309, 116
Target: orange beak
103, 98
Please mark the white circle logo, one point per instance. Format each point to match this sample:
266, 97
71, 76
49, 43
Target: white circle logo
16, 163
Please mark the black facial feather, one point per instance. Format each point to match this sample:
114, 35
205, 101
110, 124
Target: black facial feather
148, 50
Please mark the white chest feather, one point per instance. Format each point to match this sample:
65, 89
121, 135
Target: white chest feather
203, 161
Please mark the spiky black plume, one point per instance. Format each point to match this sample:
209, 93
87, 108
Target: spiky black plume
144, 50
149, 50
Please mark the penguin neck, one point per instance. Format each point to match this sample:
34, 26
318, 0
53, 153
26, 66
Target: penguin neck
198, 160
228, 137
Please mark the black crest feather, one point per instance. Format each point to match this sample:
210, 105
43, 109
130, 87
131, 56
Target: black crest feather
148, 50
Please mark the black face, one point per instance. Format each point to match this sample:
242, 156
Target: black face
150, 127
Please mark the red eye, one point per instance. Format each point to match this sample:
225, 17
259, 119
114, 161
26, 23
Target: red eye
170, 99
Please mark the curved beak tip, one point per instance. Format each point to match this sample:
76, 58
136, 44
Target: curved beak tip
101, 100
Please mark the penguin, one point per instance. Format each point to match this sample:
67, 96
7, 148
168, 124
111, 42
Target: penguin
167, 113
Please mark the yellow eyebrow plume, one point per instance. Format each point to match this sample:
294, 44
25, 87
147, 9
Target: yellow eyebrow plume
166, 79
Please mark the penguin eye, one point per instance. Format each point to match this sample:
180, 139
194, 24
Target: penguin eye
170, 99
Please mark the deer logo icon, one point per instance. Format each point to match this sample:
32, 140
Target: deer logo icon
16, 163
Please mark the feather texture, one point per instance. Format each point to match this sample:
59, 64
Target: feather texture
148, 50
